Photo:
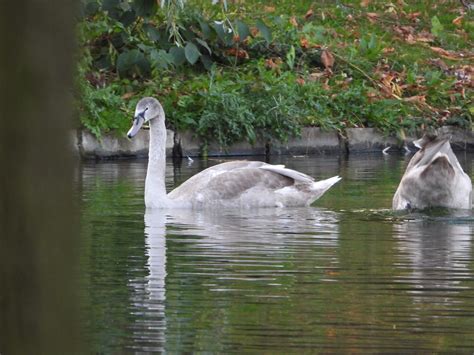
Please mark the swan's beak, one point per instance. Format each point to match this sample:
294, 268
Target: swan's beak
137, 123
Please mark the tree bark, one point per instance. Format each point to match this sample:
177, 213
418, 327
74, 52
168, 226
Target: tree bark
38, 224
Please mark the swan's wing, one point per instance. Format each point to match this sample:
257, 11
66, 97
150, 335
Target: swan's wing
431, 149
293, 174
233, 183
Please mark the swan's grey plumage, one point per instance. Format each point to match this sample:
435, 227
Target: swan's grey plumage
231, 184
434, 178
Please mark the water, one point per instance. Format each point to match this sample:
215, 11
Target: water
346, 275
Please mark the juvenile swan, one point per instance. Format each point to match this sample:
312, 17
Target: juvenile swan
434, 178
231, 184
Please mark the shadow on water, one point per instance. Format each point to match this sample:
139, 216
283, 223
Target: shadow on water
346, 276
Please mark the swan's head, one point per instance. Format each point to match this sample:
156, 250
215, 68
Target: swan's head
147, 109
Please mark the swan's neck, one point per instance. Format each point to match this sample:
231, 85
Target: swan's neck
155, 189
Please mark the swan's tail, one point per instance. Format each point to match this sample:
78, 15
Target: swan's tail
320, 187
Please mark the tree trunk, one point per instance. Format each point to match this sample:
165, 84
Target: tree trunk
38, 224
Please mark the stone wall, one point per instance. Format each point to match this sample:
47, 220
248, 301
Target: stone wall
313, 140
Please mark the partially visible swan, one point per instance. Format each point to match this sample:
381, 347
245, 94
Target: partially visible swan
231, 184
433, 178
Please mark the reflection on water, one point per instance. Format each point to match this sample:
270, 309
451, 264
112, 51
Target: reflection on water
437, 252
346, 275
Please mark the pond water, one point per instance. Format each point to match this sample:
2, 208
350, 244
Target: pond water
346, 275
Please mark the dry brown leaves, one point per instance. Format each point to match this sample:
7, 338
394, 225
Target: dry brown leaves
327, 59
300, 81
413, 16
372, 16
309, 14
273, 63
458, 20
451, 54
237, 52
127, 95
390, 81
269, 8
293, 21
304, 42
409, 34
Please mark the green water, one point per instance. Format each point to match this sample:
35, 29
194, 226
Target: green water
346, 275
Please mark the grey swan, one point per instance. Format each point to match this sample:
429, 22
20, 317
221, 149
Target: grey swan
433, 178
243, 184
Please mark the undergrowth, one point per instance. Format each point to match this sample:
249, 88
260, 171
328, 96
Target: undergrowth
262, 72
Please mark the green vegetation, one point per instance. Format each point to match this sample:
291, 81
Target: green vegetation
247, 70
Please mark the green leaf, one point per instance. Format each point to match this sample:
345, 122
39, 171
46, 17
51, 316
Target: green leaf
109, 5
152, 32
127, 18
161, 59
132, 62
191, 52
264, 31
222, 33
207, 62
145, 8
204, 44
242, 29
436, 27
178, 55
205, 29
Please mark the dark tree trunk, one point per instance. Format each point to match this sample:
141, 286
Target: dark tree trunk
38, 226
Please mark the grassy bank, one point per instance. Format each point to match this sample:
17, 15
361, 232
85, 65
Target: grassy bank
262, 71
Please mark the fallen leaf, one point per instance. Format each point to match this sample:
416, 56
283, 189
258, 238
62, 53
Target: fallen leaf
127, 95
365, 3
300, 81
326, 85
239, 53
327, 59
391, 9
444, 53
269, 8
271, 64
410, 39
413, 15
424, 36
293, 21
458, 20
316, 76
304, 42
440, 64
372, 16
308, 14
418, 99
388, 50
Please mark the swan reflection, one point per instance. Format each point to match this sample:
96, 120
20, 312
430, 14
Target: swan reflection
436, 249
215, 241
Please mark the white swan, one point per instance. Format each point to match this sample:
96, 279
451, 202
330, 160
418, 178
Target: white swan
433, 178
232, 184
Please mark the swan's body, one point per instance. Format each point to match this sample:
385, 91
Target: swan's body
434, 178
233, 184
